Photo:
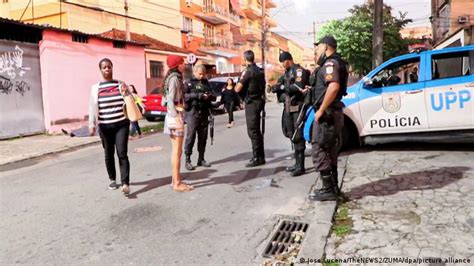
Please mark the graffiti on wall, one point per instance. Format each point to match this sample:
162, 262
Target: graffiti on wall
11, 67
11, 63
7, 86
20, 89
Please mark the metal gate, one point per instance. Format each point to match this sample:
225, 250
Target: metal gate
21, 100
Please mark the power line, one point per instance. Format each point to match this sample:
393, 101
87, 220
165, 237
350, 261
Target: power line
114, 13
29, 2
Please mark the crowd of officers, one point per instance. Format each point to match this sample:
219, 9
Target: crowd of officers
298, 89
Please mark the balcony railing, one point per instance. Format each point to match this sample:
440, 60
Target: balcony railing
215, 9
217, 42
214, 14
234, 17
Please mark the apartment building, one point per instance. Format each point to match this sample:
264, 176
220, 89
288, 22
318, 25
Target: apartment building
221, 29
160, 20
224, 29
452, 22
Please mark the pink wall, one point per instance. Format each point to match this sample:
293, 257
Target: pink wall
69, 69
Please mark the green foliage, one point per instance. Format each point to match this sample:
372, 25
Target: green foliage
152, 128
342, 222
354, 36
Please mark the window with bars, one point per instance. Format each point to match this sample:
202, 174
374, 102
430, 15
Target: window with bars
187, 24
209, 34
156, 69
119, 44
82, 38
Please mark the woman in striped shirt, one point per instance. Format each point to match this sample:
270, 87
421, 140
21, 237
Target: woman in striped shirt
106, 112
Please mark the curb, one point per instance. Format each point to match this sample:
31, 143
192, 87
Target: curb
37, 158
314, 244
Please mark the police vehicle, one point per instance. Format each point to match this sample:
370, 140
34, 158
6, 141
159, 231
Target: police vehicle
413, 97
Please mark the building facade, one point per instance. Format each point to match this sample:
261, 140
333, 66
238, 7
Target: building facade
221, 29
452, 22
158, 19
50, 88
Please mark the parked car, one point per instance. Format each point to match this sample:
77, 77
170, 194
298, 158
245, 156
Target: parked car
217, 85
153, 109
426, 96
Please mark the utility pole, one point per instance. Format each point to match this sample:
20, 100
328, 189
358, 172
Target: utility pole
264, 33
314, 32
60, 14
377, 40
127, 26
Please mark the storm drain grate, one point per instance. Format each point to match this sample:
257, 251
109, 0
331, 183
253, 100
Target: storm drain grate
288, 233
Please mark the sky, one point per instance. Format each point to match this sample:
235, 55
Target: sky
295, 17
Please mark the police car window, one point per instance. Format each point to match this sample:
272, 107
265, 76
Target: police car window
398, 73
449, 65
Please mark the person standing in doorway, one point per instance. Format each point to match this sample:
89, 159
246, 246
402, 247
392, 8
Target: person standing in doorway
106, 113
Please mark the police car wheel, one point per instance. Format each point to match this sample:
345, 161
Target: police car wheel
350, 136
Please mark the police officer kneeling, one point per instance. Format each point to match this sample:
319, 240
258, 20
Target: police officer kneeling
198, 100
252, 83
330, 87
291, 90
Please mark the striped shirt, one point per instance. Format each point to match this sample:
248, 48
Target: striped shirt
110, 103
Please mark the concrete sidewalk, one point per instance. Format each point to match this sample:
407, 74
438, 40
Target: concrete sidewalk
415, 206
33, 147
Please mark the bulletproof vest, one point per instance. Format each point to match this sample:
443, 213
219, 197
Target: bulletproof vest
256, 87
312, 78
199, 86
320, 85
289, 79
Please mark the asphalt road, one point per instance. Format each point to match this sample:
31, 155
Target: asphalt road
59, 211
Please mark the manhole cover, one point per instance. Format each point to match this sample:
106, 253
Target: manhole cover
288, 233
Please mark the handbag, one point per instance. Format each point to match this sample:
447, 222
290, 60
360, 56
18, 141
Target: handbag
130, 108
175, 123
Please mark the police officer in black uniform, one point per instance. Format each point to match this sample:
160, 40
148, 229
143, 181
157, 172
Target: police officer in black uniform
198, 102
291, 90
252, 86
330, 87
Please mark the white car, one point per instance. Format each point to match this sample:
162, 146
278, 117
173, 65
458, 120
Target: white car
426, 96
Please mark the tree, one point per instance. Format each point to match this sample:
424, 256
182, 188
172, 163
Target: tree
354, 36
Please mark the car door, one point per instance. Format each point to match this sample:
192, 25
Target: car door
393, 100
450, 90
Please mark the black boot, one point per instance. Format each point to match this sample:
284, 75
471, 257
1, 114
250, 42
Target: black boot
255, 161
188, 164
291, 168
202, 162
299, 166
327, 192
